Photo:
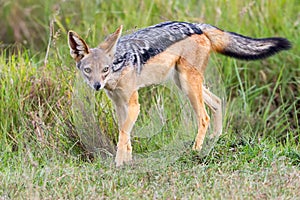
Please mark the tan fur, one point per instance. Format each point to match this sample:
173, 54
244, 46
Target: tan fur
218, 38
185, 61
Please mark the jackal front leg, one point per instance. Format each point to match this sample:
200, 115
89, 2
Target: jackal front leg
127, 112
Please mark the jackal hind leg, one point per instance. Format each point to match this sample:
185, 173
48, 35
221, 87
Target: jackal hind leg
190, 81
127, 110
215, 105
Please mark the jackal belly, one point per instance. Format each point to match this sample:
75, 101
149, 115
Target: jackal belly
157, 69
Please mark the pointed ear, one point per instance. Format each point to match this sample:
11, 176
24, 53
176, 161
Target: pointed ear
110, 43
78, 47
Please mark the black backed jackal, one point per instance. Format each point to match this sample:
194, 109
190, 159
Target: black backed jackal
122, 65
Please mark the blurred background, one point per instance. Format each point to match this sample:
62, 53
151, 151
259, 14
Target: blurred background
26, 22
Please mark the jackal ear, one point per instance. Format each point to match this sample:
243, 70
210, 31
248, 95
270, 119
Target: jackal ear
110, 43
78, 47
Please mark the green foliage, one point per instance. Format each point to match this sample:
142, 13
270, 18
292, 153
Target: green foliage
43, 154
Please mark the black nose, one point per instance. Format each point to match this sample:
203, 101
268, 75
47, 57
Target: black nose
97, 86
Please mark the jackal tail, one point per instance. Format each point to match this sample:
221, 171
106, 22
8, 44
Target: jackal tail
243, 47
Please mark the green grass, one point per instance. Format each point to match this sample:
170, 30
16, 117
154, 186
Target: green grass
45, 152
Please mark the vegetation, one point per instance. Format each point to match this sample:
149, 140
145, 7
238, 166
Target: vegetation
47, 153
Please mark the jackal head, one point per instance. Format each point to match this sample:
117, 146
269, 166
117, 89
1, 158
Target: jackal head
95, 64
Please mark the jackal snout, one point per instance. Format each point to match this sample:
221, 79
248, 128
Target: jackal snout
97, 86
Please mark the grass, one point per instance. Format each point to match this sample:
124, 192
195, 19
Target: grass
47, 154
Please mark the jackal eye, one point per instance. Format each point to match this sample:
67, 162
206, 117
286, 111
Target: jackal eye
87, 70
105, 69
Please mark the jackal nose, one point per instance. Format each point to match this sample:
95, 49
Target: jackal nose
97, 86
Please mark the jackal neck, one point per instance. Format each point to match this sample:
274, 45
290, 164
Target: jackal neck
114, 79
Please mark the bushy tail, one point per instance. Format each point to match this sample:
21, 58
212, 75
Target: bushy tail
242, 47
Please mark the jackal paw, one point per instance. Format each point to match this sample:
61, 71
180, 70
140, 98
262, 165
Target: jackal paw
123, 156
197, 146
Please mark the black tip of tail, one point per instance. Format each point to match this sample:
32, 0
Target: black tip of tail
282, 44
